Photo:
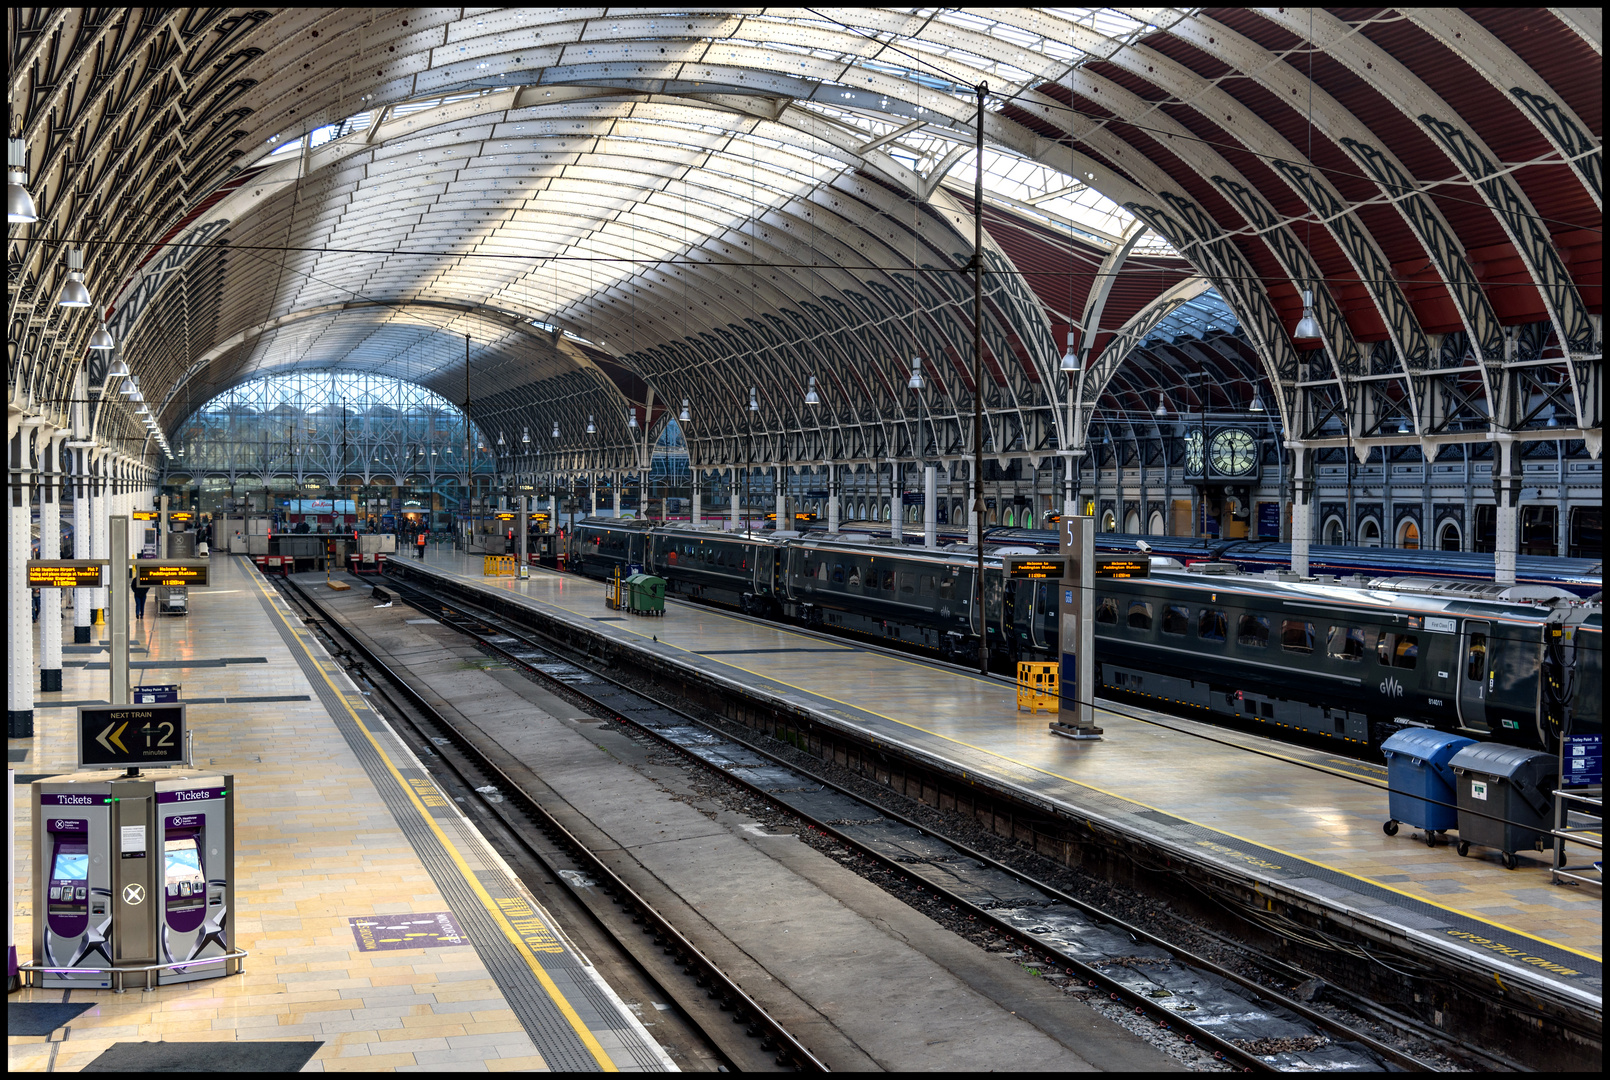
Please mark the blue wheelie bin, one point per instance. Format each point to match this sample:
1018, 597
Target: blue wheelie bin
1417, 770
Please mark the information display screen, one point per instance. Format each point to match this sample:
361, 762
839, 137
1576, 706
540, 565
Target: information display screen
170, 572
64, 573
146, 515
1125, 567
71, 864
115, 736
1036, 568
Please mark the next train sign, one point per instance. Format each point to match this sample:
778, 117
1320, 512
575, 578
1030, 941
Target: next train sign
1034, 566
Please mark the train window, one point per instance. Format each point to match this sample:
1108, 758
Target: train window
1297, 636
1253, 630
927, 584
888, 581
1212, 625
1398, 650
1140, 615
1476, 662
1107, 611
908, 583
1345, 643
838, 573
1176, 620
821, 570
947, 588
855, 576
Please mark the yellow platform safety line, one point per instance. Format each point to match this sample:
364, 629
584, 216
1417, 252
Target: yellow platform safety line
1037, 687
498, 566
1085, 784
588, 1039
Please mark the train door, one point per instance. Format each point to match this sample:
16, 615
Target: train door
1043, 626
1475, 669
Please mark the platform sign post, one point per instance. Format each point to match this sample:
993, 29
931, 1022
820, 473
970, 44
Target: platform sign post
1077, 676
118, 596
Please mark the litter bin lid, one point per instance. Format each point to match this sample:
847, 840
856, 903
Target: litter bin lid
1427, 744
1496, 759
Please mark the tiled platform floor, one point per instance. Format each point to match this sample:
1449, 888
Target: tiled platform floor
1330, 816
316, 845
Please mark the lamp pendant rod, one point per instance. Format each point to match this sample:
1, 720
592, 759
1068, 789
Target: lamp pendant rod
978, 374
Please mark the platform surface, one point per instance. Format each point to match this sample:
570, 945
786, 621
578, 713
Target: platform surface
1301, 819
340, 833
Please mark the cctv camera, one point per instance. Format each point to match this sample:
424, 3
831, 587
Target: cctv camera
1144, 546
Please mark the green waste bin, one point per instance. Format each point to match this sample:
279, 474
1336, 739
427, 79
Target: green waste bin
645, 594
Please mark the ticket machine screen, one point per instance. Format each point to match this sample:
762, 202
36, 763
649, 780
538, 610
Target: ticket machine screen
183, 871
67, 902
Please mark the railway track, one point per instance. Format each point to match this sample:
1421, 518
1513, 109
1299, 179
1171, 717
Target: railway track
1244, 1023
742, 1033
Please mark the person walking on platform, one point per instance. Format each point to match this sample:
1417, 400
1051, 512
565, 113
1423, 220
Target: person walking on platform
139, 594
419, 544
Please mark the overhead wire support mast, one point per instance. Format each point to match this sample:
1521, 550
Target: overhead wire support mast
978, 374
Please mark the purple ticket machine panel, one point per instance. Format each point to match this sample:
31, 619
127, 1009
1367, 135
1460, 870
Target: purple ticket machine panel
197, 878
73, 882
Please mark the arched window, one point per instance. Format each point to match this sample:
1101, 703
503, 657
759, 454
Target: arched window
1027, 519
1157, 526
1333, 534
1448, 538
1109, 523
1369, 533
1132, 522
1409, 535
956, 517
886, 516
1011, 518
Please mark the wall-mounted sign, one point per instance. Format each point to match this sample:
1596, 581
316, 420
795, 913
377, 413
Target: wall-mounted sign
146, 515
65, 573
171, 572
1112, 566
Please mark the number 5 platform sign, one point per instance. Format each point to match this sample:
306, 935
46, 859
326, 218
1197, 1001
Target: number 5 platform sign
132, 736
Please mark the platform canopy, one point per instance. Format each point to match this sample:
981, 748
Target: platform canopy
574, 217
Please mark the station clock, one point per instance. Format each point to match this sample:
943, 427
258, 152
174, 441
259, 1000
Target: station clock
1193, 452
1233, 452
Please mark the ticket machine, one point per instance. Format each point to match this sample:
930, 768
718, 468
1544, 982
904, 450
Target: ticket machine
136, 880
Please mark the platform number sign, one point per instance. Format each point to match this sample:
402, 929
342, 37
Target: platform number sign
138, 736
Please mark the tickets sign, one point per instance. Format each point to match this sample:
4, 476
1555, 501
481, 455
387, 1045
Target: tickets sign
65, 573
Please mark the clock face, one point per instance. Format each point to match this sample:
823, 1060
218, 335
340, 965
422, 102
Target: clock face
1193, 451
1232, 452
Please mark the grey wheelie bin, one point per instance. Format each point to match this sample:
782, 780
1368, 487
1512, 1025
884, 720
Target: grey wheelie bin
1420, 785
1506, 798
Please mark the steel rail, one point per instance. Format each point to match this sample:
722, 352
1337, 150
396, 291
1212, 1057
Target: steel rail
1091, 975
733, 998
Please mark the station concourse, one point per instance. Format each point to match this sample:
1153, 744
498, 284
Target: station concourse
309, 304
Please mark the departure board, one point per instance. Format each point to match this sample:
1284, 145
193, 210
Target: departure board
145, 515
1034, 567
171, 572
65, 573
1108, 566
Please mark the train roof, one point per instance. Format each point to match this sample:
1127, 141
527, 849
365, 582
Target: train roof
1520, 605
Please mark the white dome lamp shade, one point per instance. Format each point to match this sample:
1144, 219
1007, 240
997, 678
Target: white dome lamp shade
592, 428
73, 293
685, 415
631, 418
754, 399
1307, 326
556, 429
19, 204
1070, 359
811, 396
118, 369
100, 339
916, 380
